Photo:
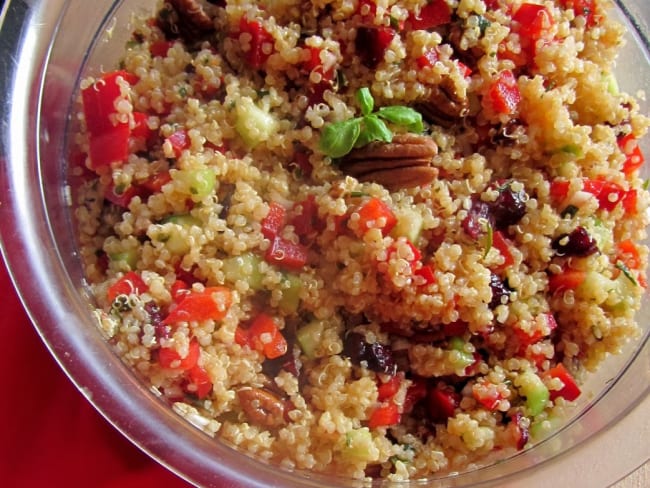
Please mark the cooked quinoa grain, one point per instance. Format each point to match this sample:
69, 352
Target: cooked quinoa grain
376, 238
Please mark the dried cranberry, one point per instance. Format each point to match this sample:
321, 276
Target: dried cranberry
521, 431
156, 318
441, 403
478, 217
378, 357
577, 243
499, 289
287, 362
371, 44
509, 207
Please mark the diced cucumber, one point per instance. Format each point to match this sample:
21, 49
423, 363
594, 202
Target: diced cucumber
129, 258
200, 182
462, 359
290, 294
627, 289
595, 288
253, 124
409, 224
603, 236
541, 429
244, 267
184, 220
612, 83
359, 445
533, 388
309, 337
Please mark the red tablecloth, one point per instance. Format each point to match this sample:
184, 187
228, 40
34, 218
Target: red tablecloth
50, 436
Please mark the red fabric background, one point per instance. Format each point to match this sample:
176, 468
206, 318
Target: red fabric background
50, 436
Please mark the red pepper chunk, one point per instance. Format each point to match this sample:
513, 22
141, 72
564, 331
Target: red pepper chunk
568, 279
155, 182
211, 303
130, 283
160, 48
504, 246
168, 357
533, 23
503, 95
385, 415
140, 128
273, 223
487, 394
570, 391
179, 140
387, 390
582, 7
307, 223
634, 157
433, 14
108, 138
199, 383
442, 404
264, 336
122, 197
427, 274
376, 214
261, 43
428, 59
286, 254
416, 391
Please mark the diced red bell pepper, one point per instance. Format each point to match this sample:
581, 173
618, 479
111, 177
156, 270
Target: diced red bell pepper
376, 214
487, 394
168, 357
428, 59
504, 246
265, 337
545, 325
371, 44
415, 262
586, 8
387, 390
180, 140
108, 138
427, 274
491, 4
141, 129
433, 14
568, 279
155, 182
442, 403
559, 190
130, 283
122, 197
634, 157
160, 48
367, 9
179, 290
199, 382
416, 392
241, 336
385, 415
314, 63
211, 303
99, 101
273, 223
534, 22
570, 391
261, 44
628, 253
286, 254
503, 95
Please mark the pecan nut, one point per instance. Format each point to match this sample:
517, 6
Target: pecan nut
445, 106
405, 162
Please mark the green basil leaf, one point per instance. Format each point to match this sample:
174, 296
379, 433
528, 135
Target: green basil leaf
367, 103
377, 128
403, 116
338, 139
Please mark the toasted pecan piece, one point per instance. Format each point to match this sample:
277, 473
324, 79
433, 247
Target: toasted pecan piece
404, 162
445, 107
408, 177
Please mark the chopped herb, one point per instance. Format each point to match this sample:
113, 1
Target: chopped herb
626, 271
569, 211
394, 23
483, 24
489, 238
646, 184
182, 91
358, 194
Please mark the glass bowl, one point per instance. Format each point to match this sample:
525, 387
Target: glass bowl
50, 44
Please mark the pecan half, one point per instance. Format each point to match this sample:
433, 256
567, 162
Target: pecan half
445, 107
403, 163
186, 19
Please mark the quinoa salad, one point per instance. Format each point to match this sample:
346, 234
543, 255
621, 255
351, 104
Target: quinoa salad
374, 238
